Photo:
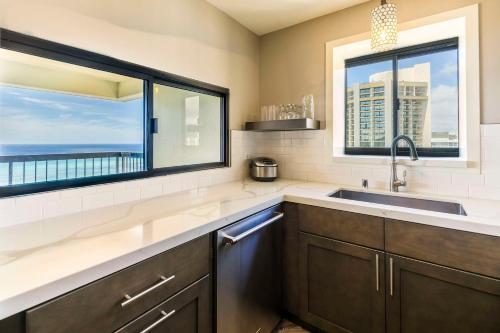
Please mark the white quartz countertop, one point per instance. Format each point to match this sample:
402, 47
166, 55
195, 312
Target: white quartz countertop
44, 259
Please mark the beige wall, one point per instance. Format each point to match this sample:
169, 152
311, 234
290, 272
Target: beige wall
185, 37
293, 59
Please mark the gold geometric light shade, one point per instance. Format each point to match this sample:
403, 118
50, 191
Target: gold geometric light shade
384, 26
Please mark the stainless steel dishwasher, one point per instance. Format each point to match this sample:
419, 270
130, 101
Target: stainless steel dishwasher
248, 287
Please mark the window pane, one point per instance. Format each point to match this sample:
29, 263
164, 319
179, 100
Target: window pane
428, 97
369, 105
60, 121
189, 127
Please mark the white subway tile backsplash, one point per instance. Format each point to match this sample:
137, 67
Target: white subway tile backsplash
173, 185
305, 155
127, 195
61, 206
491, 178
97, 200
151, 189
7, 203
362, 172
457, 190
189, 182
484, 192
204, 179
78, 192
302, 155
22, 212
467, 179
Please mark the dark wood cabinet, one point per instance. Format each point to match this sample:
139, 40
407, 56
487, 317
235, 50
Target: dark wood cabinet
463, 250
100, 306
186, 312
424, 297
349, 227
13, 324
435, 279
341, 285
290, 259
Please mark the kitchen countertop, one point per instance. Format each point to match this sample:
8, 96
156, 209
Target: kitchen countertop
44, 259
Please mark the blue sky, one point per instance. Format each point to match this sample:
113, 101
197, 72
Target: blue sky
33, 116
443, 84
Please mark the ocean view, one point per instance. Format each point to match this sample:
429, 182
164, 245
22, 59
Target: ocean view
22, 163
44, 149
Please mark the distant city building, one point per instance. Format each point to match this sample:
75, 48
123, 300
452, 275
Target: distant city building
369, 108
444, 140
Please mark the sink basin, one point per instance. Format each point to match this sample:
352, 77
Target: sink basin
393, 200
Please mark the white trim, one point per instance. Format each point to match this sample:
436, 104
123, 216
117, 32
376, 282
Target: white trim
462, 22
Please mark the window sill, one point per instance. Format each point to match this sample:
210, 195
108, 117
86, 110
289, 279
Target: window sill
437, 162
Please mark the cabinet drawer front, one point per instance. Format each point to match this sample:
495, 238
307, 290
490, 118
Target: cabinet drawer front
186, 312
453, 248
345, 226
102, 305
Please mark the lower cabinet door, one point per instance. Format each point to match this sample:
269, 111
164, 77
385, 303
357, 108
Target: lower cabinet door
341, 285
188, 311
424, 297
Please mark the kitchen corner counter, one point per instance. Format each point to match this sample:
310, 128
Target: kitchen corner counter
44, 259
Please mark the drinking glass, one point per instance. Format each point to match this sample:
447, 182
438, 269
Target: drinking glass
282, 113
273, 112
308, 106
264, 113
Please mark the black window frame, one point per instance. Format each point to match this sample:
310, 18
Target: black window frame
35, 46
393, 56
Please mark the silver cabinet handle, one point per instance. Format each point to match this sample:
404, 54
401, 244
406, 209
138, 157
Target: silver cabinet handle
164, 316
231, 240
377, 271
129, 299
391, 276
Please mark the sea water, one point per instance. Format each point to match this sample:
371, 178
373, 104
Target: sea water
57, 169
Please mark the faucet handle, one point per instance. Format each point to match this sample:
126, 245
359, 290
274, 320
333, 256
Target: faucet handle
403, 182
364, 183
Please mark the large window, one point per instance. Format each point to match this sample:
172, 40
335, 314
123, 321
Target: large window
191, 127
411, 91
69, 117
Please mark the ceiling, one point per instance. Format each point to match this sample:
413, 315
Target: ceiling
264, 16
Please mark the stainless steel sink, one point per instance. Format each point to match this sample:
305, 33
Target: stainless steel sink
393, 200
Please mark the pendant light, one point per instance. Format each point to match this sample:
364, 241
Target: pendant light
384, 26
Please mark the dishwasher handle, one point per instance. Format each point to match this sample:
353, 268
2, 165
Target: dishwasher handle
228, 240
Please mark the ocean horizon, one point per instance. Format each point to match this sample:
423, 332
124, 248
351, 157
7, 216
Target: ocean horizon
44, 149
54, 169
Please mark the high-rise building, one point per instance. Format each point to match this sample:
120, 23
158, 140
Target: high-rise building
444, 140
369, 121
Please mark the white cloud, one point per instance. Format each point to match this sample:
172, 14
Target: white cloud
46, 102
13, 113
444, 102
448, 69
59, 130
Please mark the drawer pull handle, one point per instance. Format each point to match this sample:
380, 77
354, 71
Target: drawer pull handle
231, 240
129, 299
164, 316
377, 282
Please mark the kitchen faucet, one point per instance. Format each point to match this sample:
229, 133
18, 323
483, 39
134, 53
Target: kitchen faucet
395, 183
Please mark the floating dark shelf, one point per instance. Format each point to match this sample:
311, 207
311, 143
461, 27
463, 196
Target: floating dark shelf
283, 125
